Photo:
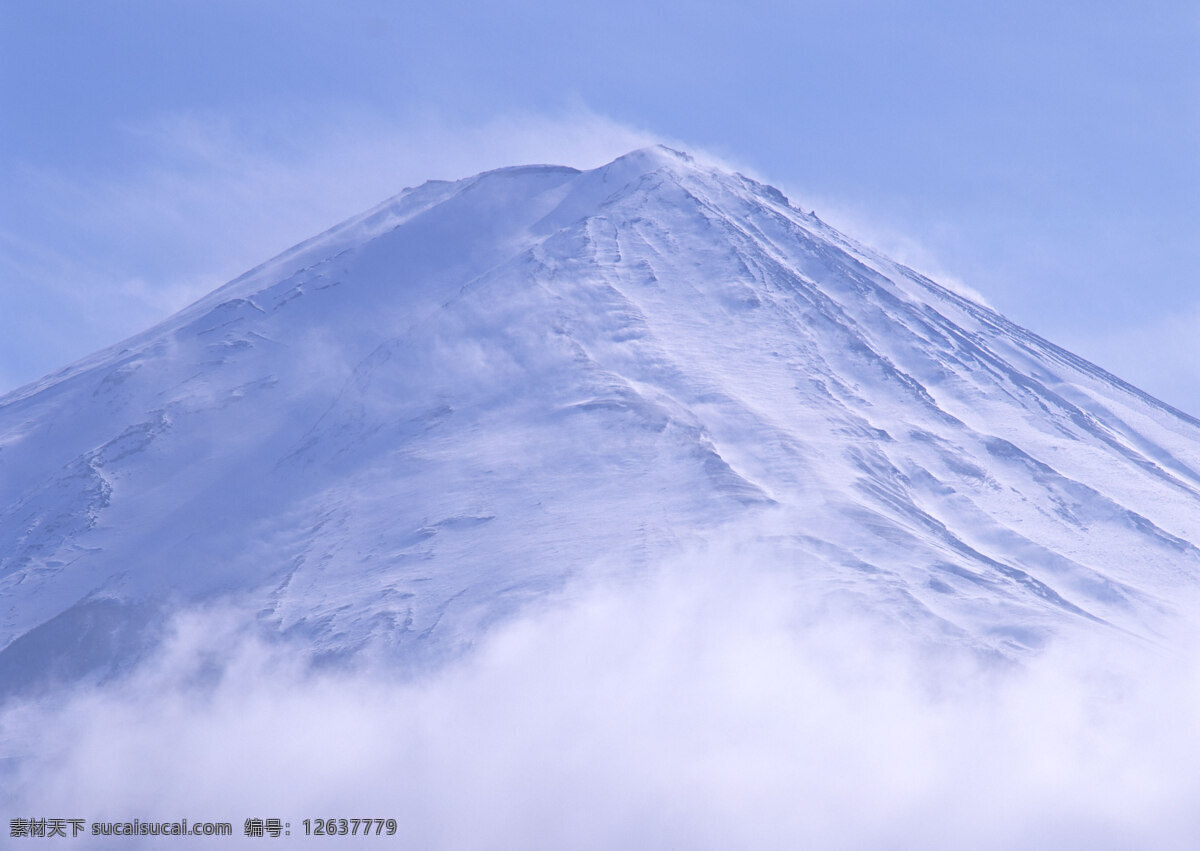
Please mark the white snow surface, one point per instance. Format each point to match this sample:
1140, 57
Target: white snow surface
410, 427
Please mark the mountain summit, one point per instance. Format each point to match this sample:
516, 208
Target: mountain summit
414, 424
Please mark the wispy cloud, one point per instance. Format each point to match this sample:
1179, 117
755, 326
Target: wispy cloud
879, 234
204, 196
715, 703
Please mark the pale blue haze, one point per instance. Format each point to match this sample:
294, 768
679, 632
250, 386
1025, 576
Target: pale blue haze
1043, 155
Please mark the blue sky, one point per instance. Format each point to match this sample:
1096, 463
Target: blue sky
1042, 154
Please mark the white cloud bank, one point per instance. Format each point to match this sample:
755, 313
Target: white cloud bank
711, 705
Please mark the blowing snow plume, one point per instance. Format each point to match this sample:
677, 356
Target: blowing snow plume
410, 435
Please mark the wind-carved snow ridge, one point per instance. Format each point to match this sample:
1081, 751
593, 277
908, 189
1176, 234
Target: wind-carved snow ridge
436, 414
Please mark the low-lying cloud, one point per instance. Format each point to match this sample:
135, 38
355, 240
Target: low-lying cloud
713, 703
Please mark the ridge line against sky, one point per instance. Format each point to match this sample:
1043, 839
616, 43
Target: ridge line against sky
1042, 156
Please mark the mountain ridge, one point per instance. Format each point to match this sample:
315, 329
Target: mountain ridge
418, 421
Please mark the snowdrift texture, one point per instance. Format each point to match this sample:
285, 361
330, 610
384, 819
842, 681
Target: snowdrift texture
421, 429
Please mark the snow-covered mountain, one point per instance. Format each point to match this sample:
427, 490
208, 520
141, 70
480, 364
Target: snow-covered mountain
412, 425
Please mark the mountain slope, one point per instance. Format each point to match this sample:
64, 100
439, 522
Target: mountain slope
412, 425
